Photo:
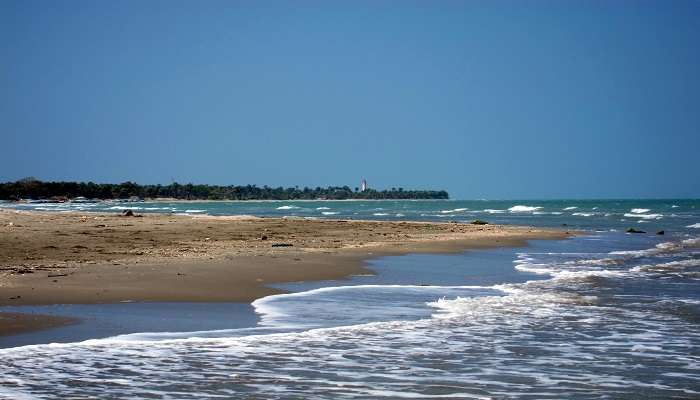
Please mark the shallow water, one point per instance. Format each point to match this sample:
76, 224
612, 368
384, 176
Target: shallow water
106, 320
592, 214
604, 315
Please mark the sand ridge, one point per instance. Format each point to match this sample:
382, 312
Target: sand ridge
50, 258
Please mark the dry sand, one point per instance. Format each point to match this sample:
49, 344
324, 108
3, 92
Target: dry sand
59, 258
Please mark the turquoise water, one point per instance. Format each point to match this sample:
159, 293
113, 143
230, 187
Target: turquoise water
604, 315
588, 214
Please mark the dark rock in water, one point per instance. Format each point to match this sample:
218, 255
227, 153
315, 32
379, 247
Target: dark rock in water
564, 224
127, 213
479, 222
632, 230
660, 232
282, 245
263, 237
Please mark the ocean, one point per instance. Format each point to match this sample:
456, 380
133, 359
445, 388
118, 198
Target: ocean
606, 314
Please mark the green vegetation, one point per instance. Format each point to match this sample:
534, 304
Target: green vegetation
30, 188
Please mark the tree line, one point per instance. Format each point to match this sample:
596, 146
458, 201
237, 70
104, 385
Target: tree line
30, 188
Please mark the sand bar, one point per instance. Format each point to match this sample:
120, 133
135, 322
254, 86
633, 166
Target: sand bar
61, 258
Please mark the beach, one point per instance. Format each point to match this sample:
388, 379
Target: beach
85, 258
245, 299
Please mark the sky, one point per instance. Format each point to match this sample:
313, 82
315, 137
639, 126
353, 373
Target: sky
485, 99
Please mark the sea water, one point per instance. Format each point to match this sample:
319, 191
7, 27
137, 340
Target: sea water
603, 315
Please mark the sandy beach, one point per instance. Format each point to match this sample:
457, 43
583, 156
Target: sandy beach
60, 258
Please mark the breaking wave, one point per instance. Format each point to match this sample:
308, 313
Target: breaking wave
520, 208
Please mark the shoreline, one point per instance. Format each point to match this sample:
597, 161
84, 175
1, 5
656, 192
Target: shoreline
81, 258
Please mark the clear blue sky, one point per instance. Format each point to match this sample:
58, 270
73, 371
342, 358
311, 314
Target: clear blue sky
488, 99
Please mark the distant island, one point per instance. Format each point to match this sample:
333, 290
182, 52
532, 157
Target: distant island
30, 188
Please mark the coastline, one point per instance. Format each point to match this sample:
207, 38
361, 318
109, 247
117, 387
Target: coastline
80, 258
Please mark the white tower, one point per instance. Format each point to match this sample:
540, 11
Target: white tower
363, 187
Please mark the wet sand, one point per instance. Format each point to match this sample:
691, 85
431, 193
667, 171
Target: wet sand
62, 258
14, 323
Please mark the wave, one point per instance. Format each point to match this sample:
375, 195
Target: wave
696, 226
672, 266
355, 304
661, 248
330, 212
643, 216
380, 214
195, 211
570, 208
492, 211
323, 208
520, 208
517, 301
639, 210
453, 210
589, 271
583, 214
286, 207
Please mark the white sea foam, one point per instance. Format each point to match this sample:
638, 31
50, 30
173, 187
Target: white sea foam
520, 208
696, 226
380, 214
351, 304
195, 211
471, 348
570, 208
583, 214
517, 302
323, 208
643, 216
661, 248
639, 210
124, 208
329, 212
286, 207
453, 210
672, 266
492, 211
693, 242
